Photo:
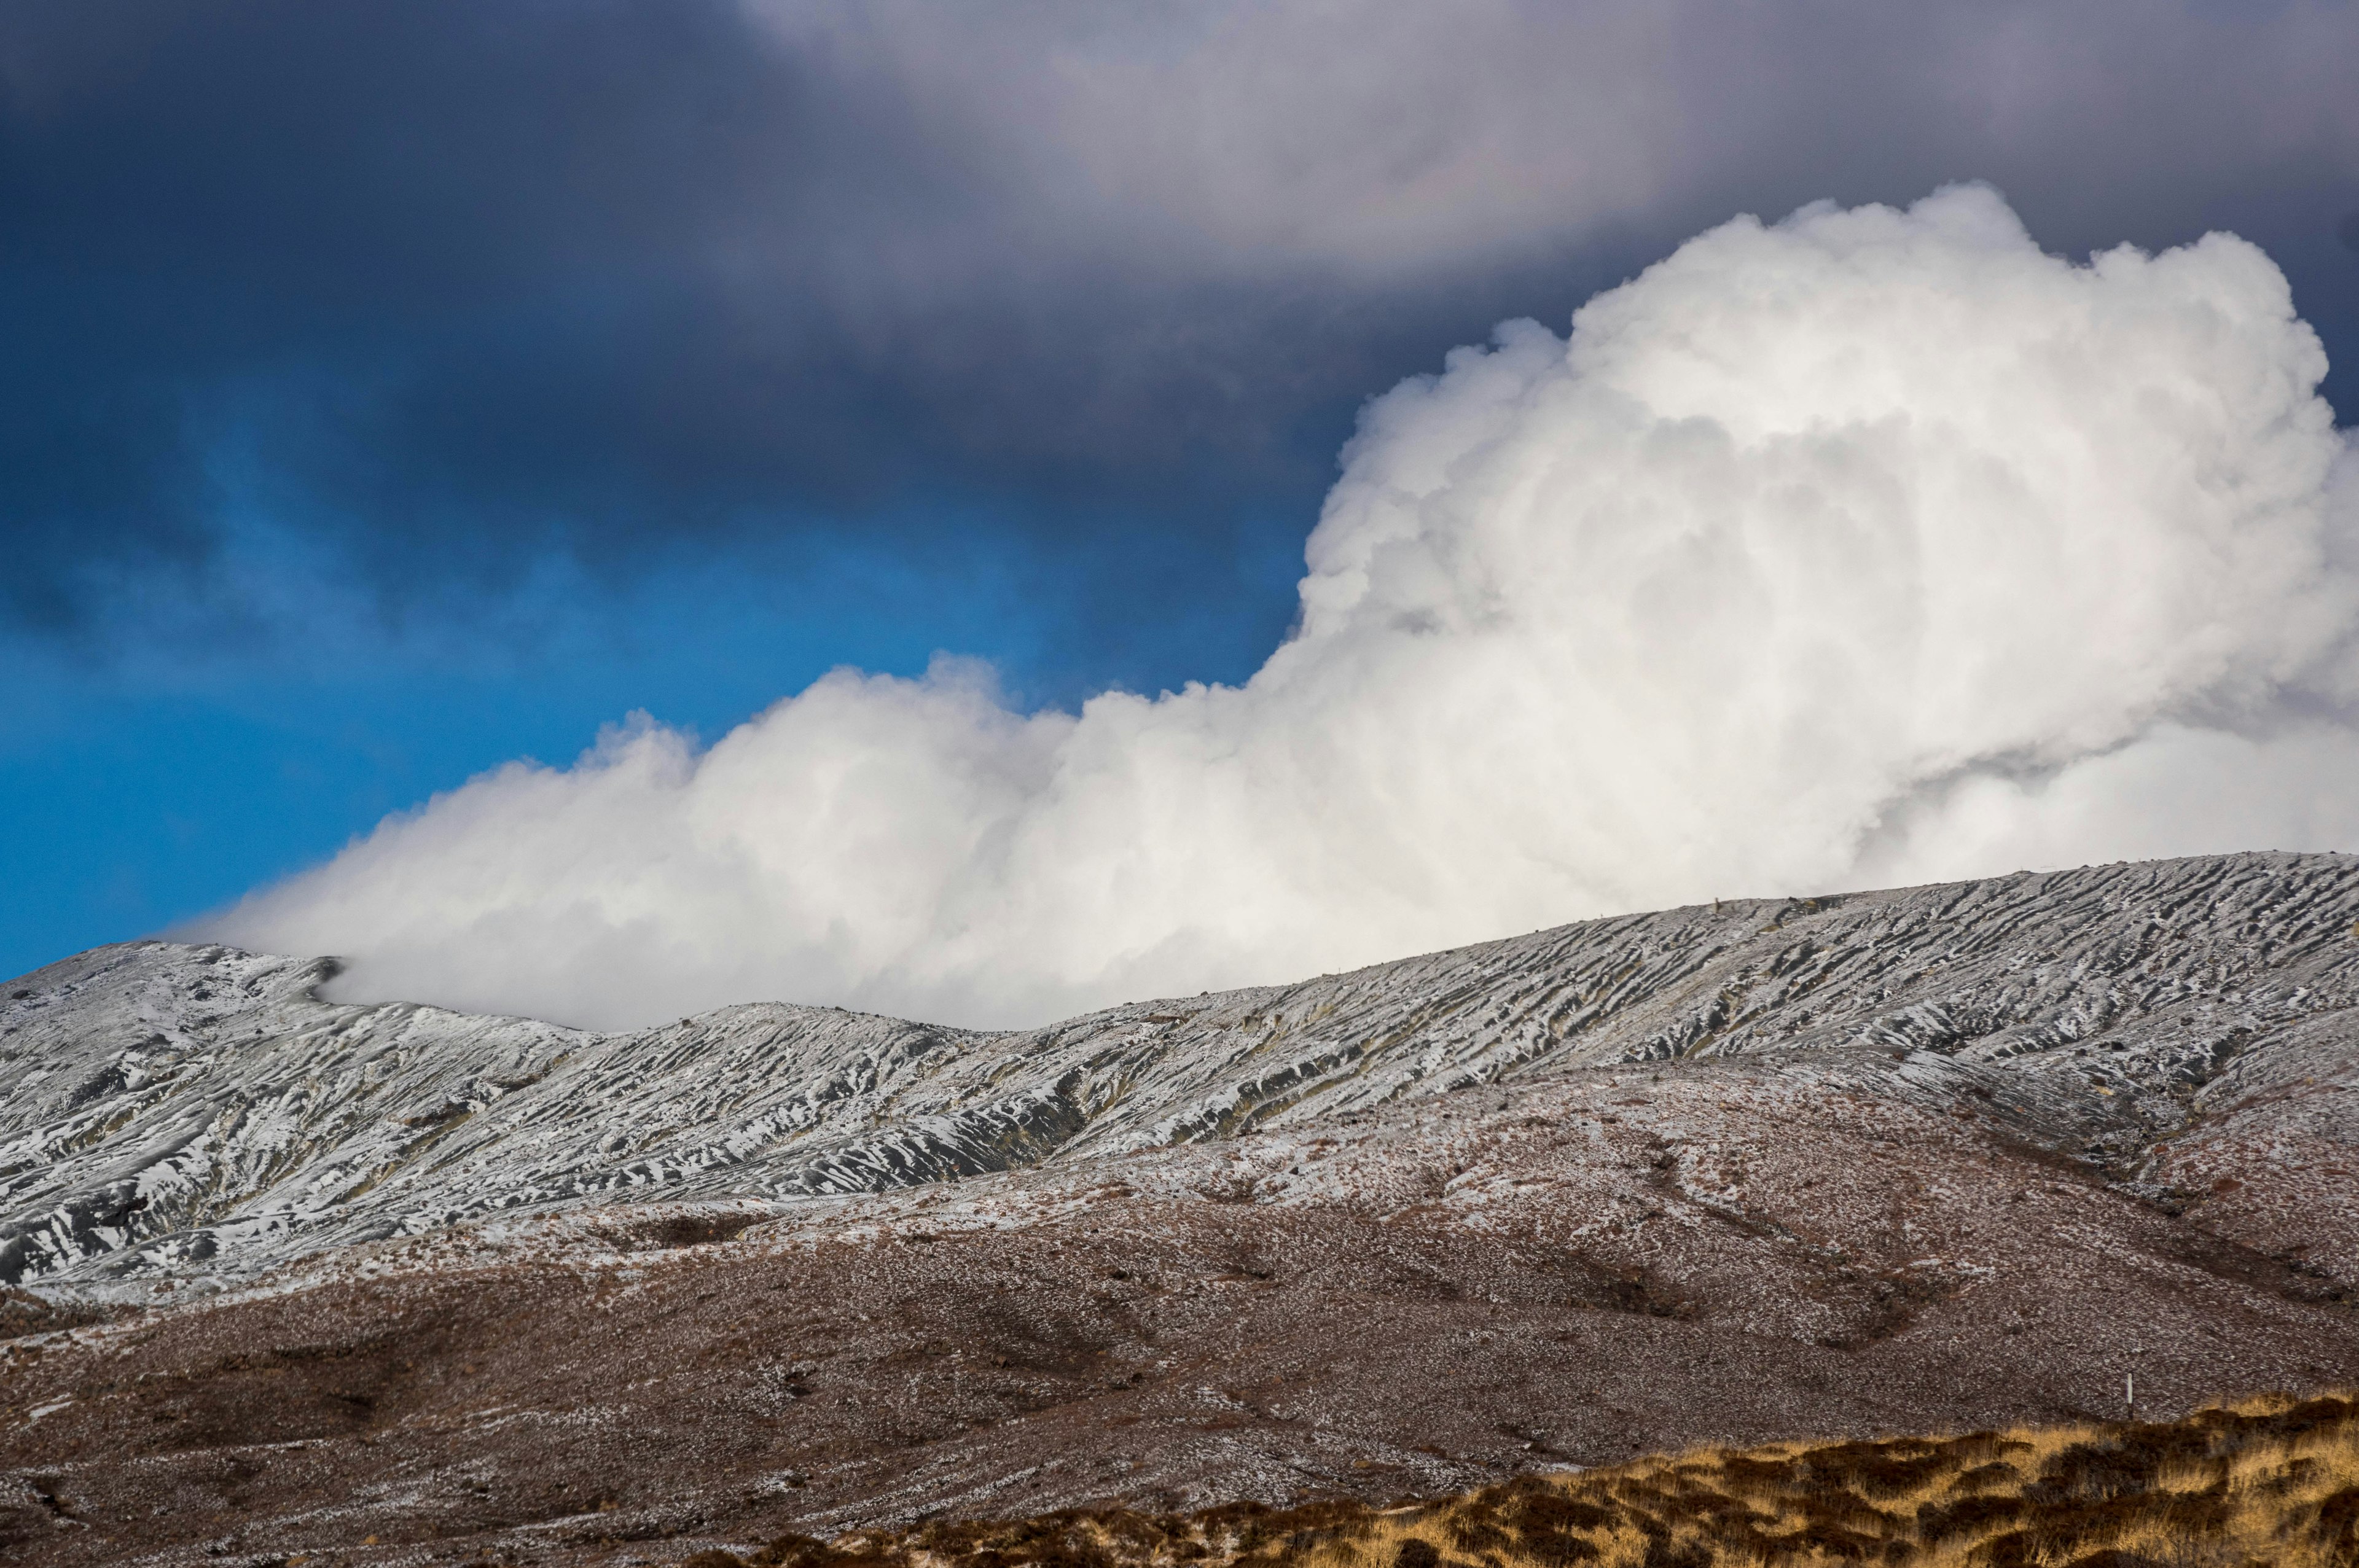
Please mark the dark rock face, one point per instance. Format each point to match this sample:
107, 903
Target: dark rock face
1940, 1157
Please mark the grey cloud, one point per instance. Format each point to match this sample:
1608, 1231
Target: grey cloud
456, 285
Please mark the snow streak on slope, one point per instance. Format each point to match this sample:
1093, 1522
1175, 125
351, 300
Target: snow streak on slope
196, 1110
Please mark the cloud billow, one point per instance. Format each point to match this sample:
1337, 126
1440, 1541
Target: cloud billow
1871, 545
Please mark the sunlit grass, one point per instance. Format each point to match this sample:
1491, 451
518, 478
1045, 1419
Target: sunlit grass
2272, 1481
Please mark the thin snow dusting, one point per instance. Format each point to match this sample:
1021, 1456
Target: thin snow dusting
175, 1114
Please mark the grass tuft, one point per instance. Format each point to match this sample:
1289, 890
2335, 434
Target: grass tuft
2271, 1482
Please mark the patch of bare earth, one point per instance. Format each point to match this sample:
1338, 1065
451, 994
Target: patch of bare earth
1577, 1269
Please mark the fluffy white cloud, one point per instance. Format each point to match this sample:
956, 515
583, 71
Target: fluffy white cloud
1865, 545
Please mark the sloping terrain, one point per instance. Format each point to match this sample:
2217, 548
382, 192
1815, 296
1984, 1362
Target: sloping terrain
1574, 1269
1949, 1158
2271, 1481
169, 1110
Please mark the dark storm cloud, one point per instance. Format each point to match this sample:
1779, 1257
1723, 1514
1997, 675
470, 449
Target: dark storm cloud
444, 285
451, 283
392, 255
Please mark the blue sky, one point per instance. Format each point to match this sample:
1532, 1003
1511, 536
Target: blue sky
386, 393
139, 786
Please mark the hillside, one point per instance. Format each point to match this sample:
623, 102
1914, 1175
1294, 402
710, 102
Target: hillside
295, 1274
2272, 1480
168, 1111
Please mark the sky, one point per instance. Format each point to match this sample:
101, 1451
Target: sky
393, 392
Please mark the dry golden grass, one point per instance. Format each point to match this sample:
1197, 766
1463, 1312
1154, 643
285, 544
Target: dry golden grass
2272, 1481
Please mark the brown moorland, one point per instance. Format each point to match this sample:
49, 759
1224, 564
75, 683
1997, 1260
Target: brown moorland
2273, 1480
1576, 1268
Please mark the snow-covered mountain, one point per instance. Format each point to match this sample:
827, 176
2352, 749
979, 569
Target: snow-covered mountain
391, 1285
198, 1113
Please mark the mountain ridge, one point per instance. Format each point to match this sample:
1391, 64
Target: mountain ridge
180, 1111
295, 1274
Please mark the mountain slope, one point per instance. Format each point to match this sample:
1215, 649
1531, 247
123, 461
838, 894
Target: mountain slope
304, 1277
1574, 1267
170, 1111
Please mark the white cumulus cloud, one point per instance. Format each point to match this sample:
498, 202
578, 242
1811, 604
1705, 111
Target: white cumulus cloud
1868, 545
